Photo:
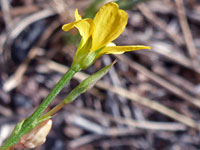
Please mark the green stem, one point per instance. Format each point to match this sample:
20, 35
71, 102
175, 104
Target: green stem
58, 87
53, 111
81, 88
69, 98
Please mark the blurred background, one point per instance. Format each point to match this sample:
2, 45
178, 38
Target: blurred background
150, 99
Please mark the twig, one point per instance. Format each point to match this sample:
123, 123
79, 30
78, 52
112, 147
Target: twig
19, 27
16, 11
186, 29
171, 53
16, 78
172, 88
30, 19
83, 140
128, 121
115, 81
6, 13
5, 111
174, 78
159, 23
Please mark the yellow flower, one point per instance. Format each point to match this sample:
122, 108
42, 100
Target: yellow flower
98, 34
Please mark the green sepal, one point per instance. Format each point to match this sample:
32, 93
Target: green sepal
83, 57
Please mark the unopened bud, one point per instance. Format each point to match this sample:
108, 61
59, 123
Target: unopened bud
37, 136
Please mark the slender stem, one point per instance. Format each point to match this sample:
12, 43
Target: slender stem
81, 88
53, 111
69, 98
58, 87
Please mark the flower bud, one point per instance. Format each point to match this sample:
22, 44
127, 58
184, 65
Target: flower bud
37, 136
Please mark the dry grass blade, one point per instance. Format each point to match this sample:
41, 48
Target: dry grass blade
16, 78
6, 13
128, 121
174, 78
5, 111
22, 10
169, 52
186, 29
30, 19
83, 140
116, 82
159, 23
150, 104
172, 88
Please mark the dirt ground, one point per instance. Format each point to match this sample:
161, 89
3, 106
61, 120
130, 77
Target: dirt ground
149, 100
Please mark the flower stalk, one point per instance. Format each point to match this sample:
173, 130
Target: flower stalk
81, 88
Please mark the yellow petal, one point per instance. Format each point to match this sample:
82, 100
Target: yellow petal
77, 16
109, 22
85, 27
122, 49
